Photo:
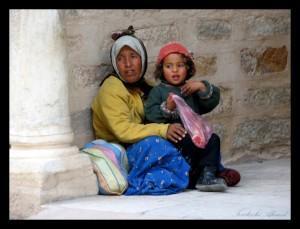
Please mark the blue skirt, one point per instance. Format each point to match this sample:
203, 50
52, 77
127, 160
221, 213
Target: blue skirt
156, 167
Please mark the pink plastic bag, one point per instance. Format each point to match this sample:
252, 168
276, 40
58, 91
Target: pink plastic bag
199, 129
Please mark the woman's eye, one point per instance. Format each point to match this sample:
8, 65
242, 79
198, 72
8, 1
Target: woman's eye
119, 58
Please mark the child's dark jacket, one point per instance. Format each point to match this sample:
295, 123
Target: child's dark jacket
159, 94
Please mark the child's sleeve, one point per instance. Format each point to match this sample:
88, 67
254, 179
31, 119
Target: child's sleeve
209, 99
153, 112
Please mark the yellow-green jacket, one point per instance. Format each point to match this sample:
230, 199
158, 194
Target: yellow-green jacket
118, 114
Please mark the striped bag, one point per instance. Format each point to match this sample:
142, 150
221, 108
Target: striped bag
110, 164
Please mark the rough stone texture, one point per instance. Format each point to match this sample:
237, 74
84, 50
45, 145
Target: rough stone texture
267, 96
87, 76
267, 26
158, 35
213, 29
74, 42
206, 65
149, 76
219, 129
226, 100
257, 134
264, 60
228, 46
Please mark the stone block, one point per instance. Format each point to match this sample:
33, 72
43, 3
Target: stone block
267, 26
149, 76
74, 43
219, 129
254, 135
89, 75
264, 60
215, 29
225, 104
38, 180
206, 65
158, 35
268, 96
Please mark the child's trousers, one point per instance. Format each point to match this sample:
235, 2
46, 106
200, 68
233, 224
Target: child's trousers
199, 158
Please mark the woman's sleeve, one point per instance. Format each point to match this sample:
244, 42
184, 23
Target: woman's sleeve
117, 115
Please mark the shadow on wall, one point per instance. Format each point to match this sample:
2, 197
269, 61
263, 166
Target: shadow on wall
82, 126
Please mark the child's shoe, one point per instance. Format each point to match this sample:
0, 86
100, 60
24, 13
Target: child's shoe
231, 176
208, 182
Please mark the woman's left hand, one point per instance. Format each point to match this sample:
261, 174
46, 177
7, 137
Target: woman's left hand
191, 87
176, 132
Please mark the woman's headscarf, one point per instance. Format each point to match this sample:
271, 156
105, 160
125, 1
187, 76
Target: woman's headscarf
133, 43
126, 37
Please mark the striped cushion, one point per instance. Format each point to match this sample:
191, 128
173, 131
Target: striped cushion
110, 165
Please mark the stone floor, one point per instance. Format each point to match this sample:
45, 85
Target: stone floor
263, 193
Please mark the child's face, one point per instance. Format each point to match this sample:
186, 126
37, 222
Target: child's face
174, 68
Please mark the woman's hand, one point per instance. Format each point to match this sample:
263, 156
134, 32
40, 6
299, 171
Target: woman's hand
191, 87
176, 132
170, 104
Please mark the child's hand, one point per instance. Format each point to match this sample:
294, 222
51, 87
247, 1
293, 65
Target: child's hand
176, 132
171, 105
191, 87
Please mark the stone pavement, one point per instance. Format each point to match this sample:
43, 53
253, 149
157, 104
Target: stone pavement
263, 193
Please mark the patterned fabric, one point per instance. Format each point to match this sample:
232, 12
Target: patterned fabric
110, 165
156, 168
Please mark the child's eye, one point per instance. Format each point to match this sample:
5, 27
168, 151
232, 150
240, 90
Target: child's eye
181, 65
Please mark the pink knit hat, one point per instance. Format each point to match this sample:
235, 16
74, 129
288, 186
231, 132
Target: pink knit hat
172, 47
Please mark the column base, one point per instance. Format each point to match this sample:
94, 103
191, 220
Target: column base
38, 180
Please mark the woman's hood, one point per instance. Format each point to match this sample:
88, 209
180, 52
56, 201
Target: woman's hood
134, 43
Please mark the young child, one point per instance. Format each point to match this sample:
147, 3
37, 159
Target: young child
174, 67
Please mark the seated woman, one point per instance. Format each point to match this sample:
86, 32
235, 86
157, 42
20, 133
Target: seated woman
156, 167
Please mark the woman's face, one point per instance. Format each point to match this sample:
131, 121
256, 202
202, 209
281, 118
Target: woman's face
129, 64
174, 68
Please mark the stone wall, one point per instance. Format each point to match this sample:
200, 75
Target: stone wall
244, 52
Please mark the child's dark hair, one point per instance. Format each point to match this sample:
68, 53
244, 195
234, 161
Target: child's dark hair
191, 69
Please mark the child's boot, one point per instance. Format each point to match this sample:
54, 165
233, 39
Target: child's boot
231, 176
208, 182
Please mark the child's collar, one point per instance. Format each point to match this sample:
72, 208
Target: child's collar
166, 83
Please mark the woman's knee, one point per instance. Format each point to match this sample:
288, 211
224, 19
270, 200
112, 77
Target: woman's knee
154, 138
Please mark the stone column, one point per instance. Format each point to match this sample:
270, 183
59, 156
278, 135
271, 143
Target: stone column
44, 165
